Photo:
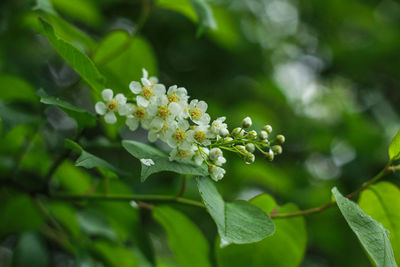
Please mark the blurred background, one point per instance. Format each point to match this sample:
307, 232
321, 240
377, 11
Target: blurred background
323, 73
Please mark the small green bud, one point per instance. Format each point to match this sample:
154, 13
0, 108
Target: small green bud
277, 149
249, 158
268, 128
246, 123
252, 134
250, 147
270, 155
263, 135
280, 139
238, 132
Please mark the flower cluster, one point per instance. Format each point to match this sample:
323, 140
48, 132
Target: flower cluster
185, 125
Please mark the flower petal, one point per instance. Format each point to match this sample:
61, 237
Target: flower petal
145, 73
141, 101
100, 108
159, 89
107, 94
135, 87
110, 117
126, 109
121, 99
146, 82
202, 106
152, 136
132, 123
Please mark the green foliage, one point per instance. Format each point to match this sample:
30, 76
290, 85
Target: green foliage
372, 235
11, 117
30, 251
289, 239
82, 117
161, 161
14, 88
77, 60
238, 222
185, 239
382, 202
89, 161
394, 148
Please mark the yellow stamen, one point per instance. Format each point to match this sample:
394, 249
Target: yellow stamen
195, 113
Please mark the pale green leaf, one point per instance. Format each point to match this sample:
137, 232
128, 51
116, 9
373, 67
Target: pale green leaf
238, 222
372, 235
82, 117
186, 241
382, 202
289, 239
161, 161
394, 148
76, 58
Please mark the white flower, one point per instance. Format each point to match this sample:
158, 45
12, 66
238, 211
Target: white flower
179, 96
164, 110
147, 90
160, 128
178, 135
218, 127
197, 112
147, 162
201, 153
138, 114
200, 135
217, 157
216, 173
111, 105
184, 153
152, 79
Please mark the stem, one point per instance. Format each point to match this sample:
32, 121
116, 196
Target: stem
367, 184
183, 188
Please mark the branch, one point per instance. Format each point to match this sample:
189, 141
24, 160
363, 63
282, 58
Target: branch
388, 169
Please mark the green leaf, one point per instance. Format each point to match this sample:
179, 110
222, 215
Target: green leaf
82, 117
86, 11
11, 117
238, 222
382, 202
290, 239
372, 235
161, 161
89, 161
95, 224
65, 214
199, 11
30, 251
75, 58
114, 255
14, 88
186, 241
13, 214
121, 58
394, 148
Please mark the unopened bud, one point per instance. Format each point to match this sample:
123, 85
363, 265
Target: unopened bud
270, 155
241, 148
268, 128
228, 139
250, 147
238, 132
252, 134
277, 149
246, 123
224, 132
280, 139
263, 135
249, 158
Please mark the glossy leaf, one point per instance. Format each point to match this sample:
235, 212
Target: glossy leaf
160, 160
238, 222
186, 241
372, 235
82, 117
289, 239
394, 148
76, 58
382, 202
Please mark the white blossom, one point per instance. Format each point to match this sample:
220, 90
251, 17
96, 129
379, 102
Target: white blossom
197, 112
112, 104
184, 153
201, 153
218, 127
216, 173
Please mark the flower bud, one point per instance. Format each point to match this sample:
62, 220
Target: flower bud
250, 147
252, 134
268, 128
224, 132
263, 135
270, 155
228, 139
215, 153
238, 132
249, 158
280, 139
246, 123
241, 148
277, 149
216, 173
